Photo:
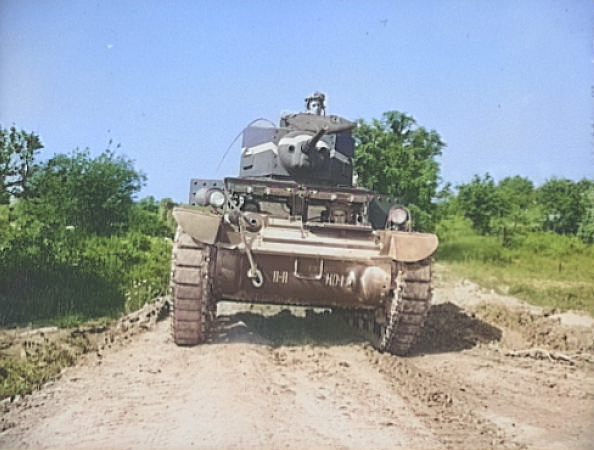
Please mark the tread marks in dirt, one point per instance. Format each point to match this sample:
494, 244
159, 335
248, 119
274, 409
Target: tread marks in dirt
441, 404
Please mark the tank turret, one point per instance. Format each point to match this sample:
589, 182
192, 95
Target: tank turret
308, 147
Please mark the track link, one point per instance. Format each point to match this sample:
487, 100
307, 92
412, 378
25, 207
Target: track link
406, 317
194, 308
405, 313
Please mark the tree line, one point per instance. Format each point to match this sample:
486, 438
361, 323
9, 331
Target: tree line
398, 157
515, 206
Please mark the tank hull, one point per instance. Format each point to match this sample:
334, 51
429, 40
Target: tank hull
327, 265
380, 275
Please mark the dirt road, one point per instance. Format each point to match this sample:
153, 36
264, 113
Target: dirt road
488, 372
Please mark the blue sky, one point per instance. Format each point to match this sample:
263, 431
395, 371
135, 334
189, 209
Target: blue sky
507, 84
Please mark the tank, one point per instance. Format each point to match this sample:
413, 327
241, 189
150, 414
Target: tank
293, 229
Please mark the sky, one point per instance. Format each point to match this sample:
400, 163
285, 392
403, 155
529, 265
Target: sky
507, 84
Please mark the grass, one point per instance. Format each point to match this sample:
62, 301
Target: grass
41, 359
543, 269
94, 278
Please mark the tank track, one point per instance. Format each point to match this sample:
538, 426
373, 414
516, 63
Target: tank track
405, 314
194, 308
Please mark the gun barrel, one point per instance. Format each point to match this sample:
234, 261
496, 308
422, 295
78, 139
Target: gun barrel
311, 144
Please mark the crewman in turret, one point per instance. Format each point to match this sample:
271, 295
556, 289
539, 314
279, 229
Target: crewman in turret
315, 104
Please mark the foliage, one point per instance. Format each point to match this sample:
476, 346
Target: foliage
153, 218
519, 213
22, 376
93, 195
75, 245
586, 227
480, 202
17, 153
517, 194
32, 358
514, 207
564, 204
396, 157
79, 276
460, 243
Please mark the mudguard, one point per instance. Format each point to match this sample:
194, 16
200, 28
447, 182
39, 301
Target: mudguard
201, 225
408, 247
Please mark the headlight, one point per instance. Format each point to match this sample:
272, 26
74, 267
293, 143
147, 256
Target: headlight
210, 196
216, 198
398, 216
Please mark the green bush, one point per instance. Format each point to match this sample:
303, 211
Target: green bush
80, 277
73, 242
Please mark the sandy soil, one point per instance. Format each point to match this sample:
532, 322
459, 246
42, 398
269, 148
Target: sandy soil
488, 372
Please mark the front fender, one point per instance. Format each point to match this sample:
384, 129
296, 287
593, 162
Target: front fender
408, 247
202, 225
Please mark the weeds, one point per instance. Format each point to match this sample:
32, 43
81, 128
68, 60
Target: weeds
106, 277
545, 269
38, 364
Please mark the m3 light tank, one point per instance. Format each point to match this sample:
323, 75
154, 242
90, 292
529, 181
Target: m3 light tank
293, 230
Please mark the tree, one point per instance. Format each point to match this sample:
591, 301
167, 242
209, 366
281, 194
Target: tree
446, 204
480, 202
395, 156
586, 227
516, 192
564, 204
17, 153
94, 195
519, 211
